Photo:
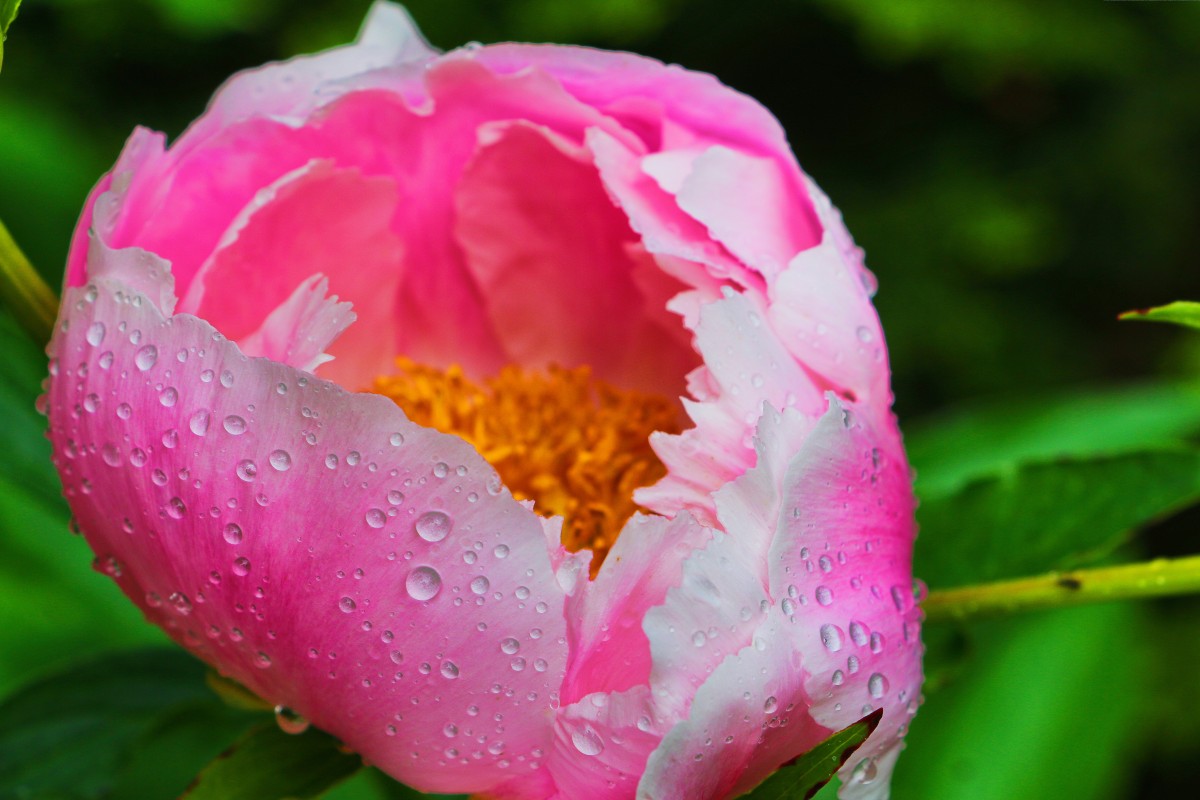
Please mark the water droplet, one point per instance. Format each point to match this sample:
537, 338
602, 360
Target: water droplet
347, 605
289, 721
226, 378
169, 397
587, 741
396, 439
877, 685
831, 637
198, 424
433, 526
858, 633
376, 517
699, 639
146, 357
864, 334
175, 508
241, 566
95, 333
509, 646
480, 585
124, 411
441, 469
423, 583
280, 460
449, 670
247, 469
500, 551
234, 425
824, 595
110, 454
233, 533
170, 439
876, 642
138, 457
864, 772
180, 602
770, 705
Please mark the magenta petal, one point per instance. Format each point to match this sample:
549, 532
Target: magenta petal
560, 289
311, 220
746, 720
601, 744
610, 652
842, 556
312, 544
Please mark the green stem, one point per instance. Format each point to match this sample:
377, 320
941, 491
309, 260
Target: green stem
33, 303
1157, 578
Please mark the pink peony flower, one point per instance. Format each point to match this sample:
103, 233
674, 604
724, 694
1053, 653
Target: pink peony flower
498, 217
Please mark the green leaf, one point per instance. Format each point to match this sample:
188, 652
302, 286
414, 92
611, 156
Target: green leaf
804, 777
1036, 517
8, 12
1048, 705
950, 449
269, 764
81, 734
1181, 312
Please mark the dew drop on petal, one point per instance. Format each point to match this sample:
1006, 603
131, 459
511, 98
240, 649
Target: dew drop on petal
433, 526
449, 670
280, 460
877, 685
234, 425
376, 517
587, 741
423, 583
241, 567
509, 646
246, 470
289, 721
347, 605
770, 706
831, 637
95, 333
480, 585
233, 533
146, 357
198, 424
824, 595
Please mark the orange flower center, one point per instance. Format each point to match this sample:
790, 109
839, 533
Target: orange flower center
574, 445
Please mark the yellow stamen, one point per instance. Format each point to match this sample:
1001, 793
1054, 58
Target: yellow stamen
576, 446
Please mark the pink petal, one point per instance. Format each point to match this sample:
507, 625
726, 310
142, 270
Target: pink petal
746, 720
664, 228
255, 513
746, 365
560, 288
610, 651
602, 742
751, 207
823, 314
843, 550
298, 332
292, 89
314, 219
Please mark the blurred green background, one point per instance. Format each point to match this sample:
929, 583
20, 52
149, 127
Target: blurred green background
1019, 172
